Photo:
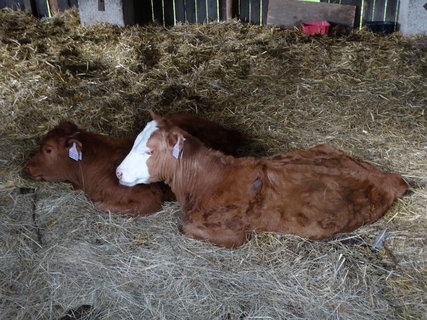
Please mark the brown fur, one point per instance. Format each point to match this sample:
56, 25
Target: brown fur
95, 174
313, 194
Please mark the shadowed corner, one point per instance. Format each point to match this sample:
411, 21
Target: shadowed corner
84, 312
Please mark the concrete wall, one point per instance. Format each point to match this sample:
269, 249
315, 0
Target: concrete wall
119, 12
413, 17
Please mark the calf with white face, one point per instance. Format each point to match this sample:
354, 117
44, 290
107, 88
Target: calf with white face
134, 169
314, 193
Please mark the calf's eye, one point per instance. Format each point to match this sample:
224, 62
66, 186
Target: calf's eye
148, 153
48, 150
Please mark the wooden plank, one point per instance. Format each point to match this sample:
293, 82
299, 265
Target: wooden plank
190, 10
290, 13
358, 4
229, 9
235, 8
255, 10
142, 12
28, 7
14, 4
201, 11
42, 10
368, 9
391, 10
212, 10
379, 10
244, 10
73, 3
180, 10
158, 11
168, 12
222, 10
53, 6
63, 5
264, 11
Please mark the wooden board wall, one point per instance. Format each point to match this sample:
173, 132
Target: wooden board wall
168, 12
40, 8
289, 13
372, 10
253, 11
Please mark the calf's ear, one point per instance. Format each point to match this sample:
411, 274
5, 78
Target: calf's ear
176, 141
172, 138
68, 127
69, 143
155, 116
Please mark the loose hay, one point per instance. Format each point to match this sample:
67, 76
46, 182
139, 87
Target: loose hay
363, 92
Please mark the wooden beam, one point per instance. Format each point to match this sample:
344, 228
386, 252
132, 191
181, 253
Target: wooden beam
27, 6
53, 4
290, 13
229, 5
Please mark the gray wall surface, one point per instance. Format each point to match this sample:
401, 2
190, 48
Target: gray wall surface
413, 17
119, 12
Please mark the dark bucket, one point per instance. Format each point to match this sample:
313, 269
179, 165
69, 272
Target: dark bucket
386, 27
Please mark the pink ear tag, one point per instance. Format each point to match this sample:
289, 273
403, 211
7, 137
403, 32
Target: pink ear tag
74, 154
175, 151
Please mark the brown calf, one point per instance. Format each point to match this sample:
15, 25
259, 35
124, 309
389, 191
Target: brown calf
313, 194
95, 172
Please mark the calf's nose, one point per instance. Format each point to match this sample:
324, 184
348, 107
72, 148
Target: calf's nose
119, 174
30, 169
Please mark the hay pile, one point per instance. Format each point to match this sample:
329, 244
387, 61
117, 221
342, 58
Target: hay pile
363, 92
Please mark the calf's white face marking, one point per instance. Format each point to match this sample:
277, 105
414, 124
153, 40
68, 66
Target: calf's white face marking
134, 169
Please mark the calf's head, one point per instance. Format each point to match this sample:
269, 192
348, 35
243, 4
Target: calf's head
52, 162
157, 147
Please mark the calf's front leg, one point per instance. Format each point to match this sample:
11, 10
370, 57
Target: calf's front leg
216, 233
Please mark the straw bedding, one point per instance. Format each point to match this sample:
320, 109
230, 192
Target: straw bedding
60, 258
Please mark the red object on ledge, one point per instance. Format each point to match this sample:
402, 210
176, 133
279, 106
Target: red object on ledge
315, 27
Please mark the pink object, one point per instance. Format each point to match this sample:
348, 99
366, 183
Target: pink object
315, 27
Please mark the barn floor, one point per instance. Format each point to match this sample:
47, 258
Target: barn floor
365, 93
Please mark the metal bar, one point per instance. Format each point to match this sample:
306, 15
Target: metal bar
250, 10
396, 15
217, 10
163, 13
195, 6
385, 10
174, 13
373, 11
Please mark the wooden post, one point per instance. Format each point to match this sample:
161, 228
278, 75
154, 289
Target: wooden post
229, 6
53, 6
27, 6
